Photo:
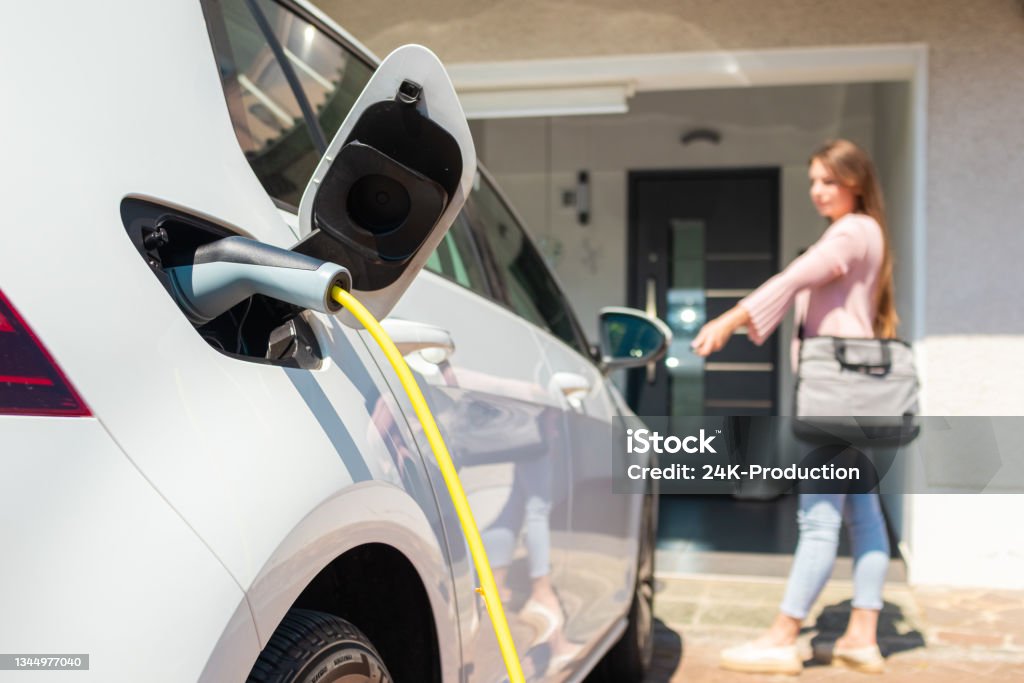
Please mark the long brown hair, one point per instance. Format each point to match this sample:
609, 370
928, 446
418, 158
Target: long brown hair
853, 168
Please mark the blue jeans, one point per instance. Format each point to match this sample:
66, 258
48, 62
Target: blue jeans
819, 519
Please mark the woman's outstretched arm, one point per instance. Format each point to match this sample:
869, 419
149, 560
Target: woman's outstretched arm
762, 310
715, 333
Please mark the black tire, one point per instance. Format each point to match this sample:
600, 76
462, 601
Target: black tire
313, 646
630, 659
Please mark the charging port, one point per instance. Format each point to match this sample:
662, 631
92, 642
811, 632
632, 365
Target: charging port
257, 329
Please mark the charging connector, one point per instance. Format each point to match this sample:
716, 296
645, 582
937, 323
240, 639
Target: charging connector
223, 273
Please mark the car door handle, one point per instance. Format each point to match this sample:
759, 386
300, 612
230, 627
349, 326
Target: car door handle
434, 343
572, 386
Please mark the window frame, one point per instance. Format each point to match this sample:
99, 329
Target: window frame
357, 51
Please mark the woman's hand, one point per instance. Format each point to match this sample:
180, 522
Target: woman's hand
715, 333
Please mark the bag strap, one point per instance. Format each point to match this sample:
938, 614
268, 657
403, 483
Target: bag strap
882, 368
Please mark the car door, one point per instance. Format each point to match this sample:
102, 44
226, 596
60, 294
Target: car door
601, 559
484, 376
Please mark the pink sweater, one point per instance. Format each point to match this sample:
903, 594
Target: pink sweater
832, 284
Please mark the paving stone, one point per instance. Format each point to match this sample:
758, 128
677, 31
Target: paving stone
687, 589
676, 612
970, 639
947, 616
735, 591
1012, 672
728, 614
1012, 618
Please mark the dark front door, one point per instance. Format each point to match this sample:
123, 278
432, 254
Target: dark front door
699, 241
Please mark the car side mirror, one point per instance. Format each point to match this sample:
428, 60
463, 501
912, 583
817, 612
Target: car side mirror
392, 180
630, 338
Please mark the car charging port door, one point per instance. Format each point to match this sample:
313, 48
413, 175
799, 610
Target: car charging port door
392, 181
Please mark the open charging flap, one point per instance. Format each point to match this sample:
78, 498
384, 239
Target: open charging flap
392, 180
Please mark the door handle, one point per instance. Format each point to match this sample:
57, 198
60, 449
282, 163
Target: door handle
572, 386
434, 343
651, 309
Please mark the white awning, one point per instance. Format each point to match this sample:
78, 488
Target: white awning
603, 85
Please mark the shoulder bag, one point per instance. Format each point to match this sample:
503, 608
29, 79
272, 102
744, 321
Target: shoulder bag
863, 388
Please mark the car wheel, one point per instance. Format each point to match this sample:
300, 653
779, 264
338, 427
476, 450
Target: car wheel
313, 646
629, 660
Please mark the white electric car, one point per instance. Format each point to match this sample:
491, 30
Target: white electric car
234, 487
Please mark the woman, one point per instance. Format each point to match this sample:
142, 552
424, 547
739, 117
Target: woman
841, 286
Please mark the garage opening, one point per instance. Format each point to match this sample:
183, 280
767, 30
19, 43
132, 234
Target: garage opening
695, 195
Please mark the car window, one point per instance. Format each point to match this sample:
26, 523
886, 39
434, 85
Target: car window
528, 286
266, 114
456, 258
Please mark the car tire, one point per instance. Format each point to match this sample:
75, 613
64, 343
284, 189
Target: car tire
313, 646
630, 658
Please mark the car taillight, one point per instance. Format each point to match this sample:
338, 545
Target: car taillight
30, 381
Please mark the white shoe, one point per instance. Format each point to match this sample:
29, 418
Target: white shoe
867, 659
750, 658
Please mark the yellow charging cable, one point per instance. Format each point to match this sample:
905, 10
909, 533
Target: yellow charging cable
488, 588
